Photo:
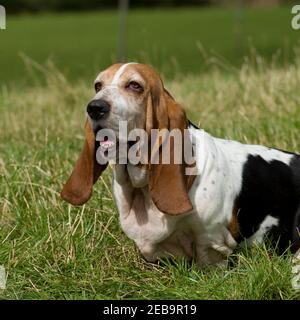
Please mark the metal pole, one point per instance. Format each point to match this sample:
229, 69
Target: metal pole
239, 17
122, 38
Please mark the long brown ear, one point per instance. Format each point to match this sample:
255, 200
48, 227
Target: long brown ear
78, 188
168, 183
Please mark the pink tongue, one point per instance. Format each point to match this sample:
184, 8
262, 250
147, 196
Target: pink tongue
106, 143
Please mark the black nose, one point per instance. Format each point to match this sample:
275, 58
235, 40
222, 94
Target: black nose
97, 109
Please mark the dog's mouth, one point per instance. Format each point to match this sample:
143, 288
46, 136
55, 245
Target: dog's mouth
107, 143
104, 143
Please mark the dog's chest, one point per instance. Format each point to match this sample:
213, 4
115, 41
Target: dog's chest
157, 234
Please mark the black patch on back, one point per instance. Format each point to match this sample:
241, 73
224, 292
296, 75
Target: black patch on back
270, 188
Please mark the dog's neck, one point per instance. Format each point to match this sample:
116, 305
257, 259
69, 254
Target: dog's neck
134, 175
138, 175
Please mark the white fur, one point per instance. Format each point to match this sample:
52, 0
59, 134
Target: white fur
119, 73
266, 225
203, 232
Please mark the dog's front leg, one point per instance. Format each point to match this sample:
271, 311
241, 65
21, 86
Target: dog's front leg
122, 189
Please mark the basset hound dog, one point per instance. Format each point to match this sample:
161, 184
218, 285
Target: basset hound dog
237, 193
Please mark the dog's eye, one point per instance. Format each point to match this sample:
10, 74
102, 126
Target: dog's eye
98, 86
133, 85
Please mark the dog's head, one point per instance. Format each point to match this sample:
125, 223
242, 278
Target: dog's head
133, 93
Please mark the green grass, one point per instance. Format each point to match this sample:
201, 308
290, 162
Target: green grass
52, 250
81, 44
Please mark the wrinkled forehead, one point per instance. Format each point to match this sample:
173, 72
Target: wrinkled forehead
130, 71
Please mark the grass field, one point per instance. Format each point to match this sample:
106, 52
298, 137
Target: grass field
55, 251
82, 43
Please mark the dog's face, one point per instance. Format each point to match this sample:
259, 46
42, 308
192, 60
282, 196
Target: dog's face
122, 94
133, 93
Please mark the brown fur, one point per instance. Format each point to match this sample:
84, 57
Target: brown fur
168, 184
78, 188
233, 226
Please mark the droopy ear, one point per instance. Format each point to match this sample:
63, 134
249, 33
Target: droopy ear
168, 183
78, 188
